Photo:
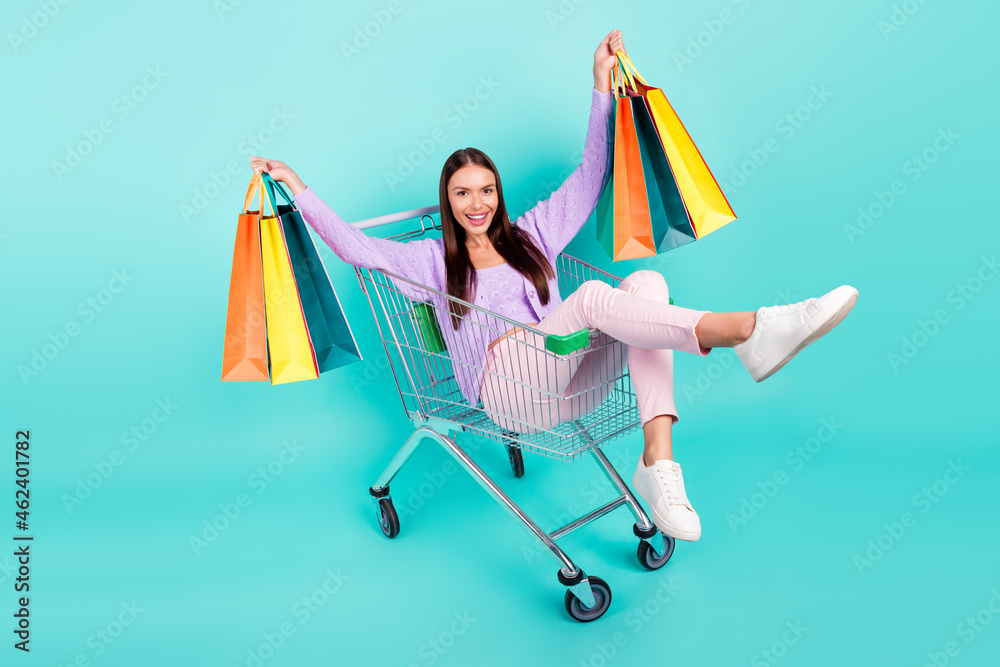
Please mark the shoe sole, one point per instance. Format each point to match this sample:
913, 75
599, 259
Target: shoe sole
685, 535
782, 358
667, 529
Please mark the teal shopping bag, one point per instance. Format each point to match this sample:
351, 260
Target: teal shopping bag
669, 217
606, 204
329, 331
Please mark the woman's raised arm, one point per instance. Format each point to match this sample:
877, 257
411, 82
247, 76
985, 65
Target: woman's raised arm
414, 260
559, 218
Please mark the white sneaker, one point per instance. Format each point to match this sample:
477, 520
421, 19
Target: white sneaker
781, 332
661, 485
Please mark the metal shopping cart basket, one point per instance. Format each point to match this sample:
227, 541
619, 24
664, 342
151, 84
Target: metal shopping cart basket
408, 316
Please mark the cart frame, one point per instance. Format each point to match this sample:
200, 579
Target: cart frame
432, 402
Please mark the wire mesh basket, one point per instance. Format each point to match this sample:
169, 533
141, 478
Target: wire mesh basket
426, 363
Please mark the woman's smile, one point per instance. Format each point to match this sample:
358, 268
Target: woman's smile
477, 218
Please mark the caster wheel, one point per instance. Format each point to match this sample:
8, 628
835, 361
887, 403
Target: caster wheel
648, 558
602, 600
388, 521
516, 460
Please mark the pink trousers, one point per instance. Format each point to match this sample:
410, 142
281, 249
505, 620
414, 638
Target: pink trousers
525, 389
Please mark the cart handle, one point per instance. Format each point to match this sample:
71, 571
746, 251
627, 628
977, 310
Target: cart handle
568, 343
571, 342
430, 333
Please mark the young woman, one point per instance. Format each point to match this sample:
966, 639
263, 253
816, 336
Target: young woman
508, 268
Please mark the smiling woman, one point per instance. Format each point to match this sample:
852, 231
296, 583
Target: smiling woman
478, 234
508, 268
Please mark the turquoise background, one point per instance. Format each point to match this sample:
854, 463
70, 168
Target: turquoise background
350, 120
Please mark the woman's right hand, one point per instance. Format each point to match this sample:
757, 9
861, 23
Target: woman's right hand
279, 171
605, 58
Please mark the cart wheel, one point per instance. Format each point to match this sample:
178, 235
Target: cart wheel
602, 600
648, 558
388, 521
516, 460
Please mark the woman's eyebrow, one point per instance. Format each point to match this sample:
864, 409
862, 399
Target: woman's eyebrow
462, 187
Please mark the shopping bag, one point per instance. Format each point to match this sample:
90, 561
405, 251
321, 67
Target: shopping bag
624, 227
706, 204
331, 336
668, 216
244, 355
289, 347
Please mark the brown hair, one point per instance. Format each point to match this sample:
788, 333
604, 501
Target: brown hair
513, 244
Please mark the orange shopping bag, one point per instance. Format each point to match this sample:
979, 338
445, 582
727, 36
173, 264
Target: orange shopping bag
707, 206
244, 354
624, 227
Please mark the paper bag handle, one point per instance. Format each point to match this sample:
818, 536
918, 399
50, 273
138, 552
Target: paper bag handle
271, 185
255, 187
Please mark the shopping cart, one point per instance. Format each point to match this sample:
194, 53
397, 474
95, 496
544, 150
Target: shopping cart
408, 316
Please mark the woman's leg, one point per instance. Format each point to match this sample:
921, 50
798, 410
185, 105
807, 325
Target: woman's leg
725, 329
764, 340
647, 323
652, 372
658, 439
522, 382
645, 317
585, 381
536, 391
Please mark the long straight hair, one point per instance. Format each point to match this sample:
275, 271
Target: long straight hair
513, 244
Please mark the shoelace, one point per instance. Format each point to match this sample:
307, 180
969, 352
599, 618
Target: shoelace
674, 484
778, 310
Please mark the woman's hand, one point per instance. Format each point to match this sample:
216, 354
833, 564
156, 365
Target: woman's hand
604, 60
279, 171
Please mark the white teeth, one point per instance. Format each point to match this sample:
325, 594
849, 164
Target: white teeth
476, 217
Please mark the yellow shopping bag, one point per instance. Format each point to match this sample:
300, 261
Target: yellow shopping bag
289, 346
702, 195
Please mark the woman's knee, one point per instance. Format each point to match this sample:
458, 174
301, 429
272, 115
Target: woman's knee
647, 284
593, 287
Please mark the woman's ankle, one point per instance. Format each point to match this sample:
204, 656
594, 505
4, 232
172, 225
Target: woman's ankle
746, 327
651, 456
724, 329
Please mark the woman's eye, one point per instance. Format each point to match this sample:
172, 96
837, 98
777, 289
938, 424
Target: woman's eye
488, 190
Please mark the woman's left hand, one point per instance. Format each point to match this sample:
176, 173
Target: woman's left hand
604, 60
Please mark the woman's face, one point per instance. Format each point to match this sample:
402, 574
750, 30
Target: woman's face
472, 193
